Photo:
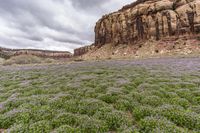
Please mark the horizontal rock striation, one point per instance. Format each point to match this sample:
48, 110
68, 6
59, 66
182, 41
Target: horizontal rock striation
82, 50
7, 53
149, 19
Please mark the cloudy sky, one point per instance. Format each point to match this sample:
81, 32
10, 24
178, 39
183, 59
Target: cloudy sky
52, 24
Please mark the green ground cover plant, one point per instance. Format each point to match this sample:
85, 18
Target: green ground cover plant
99, 98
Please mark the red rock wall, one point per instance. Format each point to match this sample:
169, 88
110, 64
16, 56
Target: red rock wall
149, 19
82, 50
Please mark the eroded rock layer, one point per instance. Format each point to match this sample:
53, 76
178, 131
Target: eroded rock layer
7, 53
82, 50
149, 19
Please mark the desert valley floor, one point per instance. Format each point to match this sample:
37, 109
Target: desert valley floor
152, 95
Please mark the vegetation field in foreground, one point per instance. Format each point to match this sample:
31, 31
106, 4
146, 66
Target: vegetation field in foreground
156, 96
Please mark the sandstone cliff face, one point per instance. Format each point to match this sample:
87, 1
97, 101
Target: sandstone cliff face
83, 50
149, 19
7, 53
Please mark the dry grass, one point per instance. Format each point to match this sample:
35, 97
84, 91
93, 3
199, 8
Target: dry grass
27, 59
1, 61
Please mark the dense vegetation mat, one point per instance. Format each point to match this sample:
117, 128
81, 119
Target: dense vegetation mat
95, 97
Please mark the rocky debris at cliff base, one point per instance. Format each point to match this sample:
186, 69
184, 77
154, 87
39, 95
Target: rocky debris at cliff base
150, 48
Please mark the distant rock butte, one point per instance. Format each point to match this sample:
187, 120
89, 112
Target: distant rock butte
148, 19
83, 50
7, 53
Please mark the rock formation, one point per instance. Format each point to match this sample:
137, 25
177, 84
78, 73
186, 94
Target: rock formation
149, 19
82, 50
7, 53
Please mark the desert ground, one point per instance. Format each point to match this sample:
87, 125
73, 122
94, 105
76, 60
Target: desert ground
147, 96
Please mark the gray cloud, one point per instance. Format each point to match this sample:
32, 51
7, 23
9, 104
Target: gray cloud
51, 24
88, 3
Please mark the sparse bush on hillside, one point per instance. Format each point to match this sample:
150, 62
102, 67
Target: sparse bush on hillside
1, 60
26, 59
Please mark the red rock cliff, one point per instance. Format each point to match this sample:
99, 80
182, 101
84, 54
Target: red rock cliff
149, 19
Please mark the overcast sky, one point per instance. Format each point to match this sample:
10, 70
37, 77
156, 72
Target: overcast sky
52, 24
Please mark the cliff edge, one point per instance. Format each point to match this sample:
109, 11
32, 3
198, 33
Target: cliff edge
161, 24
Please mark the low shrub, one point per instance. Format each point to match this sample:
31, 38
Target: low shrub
13, 104
21, 128
70, 105
179, 101
171, 95
23, 118
158, 125
115, 120
65, 119
39, 113
184, 93
131, 130
109, 98
197, 99
152, 100
124, 105
195, 109
91, 125
158, 93
67, 129
90, 106
196, 93
129, 87
6, 121
180, 117
14, 117
137, 96
143, 111
43, 126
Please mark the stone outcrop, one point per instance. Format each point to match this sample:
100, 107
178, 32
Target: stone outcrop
149, 19
7, 53
83, 50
